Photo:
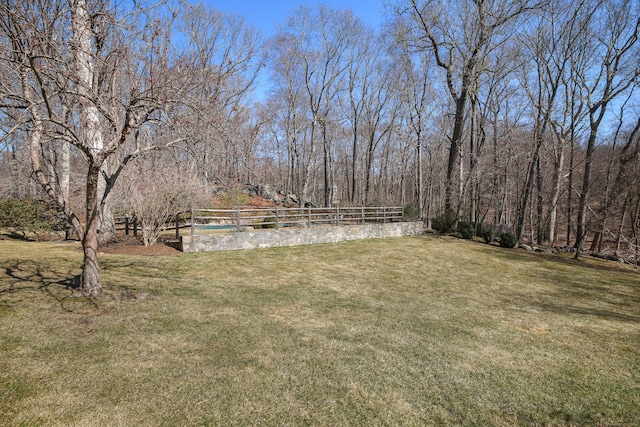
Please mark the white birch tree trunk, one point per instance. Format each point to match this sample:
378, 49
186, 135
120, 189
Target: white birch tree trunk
93, 140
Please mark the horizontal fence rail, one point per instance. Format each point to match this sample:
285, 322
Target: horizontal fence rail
128, 224
256, 218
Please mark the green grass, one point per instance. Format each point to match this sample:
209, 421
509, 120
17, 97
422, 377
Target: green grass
410, 331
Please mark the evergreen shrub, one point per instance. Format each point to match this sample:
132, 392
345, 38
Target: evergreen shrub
444, 223
467, 230
488, 235
508, 240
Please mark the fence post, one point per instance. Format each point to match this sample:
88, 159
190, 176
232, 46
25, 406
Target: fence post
309, 217
362, 213
384, 214
277, 219
126, 225
177, 225
238, 219
337, 215
135, 226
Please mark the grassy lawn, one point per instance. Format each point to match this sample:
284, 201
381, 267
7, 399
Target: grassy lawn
410, 331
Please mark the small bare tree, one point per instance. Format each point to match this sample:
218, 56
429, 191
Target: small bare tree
155, 188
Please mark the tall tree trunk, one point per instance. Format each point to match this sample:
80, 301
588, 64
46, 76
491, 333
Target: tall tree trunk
354, 159
635, 220
528, 187
581, 232
472, 159
555, 194
90, 269
367, 172
540, 204
92, 135
621, 224
107, 230
570, 188
419, 191
454, 152
304, 194
65, 176
328, 188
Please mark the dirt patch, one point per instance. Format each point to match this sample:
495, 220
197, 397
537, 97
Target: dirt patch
134, 246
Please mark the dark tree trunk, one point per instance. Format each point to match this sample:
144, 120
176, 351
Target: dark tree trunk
454, 151
581, 232
328, 196
570, 191
354, 159
539, 206
90, 270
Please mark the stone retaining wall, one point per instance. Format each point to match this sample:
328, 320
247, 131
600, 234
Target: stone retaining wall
296, 236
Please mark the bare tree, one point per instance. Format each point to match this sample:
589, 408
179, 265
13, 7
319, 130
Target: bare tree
551, 48
314, 47
418, 95
360, 80
225, 59
288, 124
88, 74
460, 35
611, 42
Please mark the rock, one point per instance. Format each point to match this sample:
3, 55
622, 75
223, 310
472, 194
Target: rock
607, 257
292, 199
265, 191
565, 249
526, 247
251, 190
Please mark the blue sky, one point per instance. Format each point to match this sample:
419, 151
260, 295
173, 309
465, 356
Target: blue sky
266, 15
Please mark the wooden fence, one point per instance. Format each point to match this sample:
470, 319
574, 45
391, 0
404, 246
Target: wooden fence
127, 224
242, 218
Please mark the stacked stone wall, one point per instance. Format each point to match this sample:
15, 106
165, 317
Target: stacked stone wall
296, 236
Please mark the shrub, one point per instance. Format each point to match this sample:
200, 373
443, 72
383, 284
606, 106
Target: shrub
444, 223
412, 211
508, 240
268, 222
488, 235
233, 198
29, 216
154, 194
467, 230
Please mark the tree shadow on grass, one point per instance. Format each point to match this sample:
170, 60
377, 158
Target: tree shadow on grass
608, 301
56, 282
584, 261
60, 283
582, 289
568, 308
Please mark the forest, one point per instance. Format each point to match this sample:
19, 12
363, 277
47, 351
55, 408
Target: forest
525, 113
